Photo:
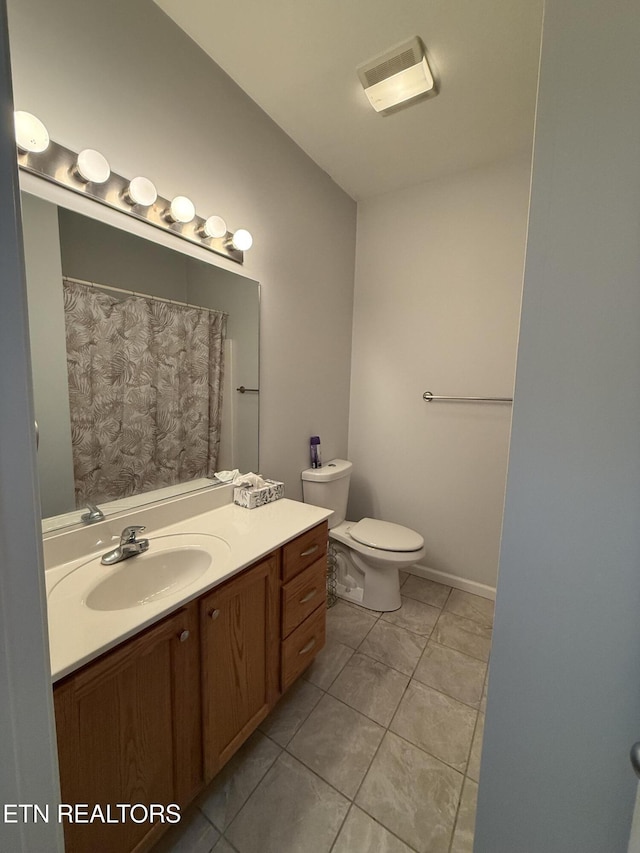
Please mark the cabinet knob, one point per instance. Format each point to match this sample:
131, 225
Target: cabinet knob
214, 614
183, 636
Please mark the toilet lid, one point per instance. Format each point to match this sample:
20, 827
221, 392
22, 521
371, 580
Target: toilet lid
386, 535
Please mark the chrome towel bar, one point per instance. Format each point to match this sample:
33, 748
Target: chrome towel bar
429, 397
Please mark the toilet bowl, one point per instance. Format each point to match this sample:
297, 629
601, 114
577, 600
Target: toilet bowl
369, 553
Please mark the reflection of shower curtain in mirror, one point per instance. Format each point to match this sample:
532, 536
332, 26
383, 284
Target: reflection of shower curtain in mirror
145, 391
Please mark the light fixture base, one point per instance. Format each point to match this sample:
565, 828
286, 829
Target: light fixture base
56, 164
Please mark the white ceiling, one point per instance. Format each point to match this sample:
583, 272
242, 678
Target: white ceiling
297, 59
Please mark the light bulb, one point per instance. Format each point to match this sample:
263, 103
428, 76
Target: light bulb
242, 240
214, 226
182, 210
31, 135
141, 191
92, 166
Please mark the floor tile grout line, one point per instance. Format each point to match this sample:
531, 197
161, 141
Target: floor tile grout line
300, 724
355, 805
384, 663
459, 651
448, 695
431, 754
352, 801
475, 730
344, 820
222, 831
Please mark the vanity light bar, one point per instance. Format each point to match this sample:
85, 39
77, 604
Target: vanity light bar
138, 198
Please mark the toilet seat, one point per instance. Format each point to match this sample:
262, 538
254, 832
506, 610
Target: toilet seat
385, 535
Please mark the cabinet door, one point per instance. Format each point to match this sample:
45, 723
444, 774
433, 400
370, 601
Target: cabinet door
239, 631
129, 731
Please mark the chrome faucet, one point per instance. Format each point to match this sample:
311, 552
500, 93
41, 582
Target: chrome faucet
94, 514
129, 546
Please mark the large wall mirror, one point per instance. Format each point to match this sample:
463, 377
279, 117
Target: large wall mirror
177, 313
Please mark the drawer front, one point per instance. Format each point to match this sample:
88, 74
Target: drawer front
300, 648
303, 594
305, 550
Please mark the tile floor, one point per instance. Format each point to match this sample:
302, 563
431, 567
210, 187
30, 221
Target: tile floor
375, 749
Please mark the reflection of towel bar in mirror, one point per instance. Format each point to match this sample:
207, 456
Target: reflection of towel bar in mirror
244, 390
429, 397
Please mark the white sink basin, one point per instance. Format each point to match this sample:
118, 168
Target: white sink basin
171, 564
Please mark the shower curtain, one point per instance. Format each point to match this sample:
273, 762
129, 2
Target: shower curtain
145, 392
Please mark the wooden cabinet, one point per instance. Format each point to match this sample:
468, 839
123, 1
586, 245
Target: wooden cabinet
129, 731
304, 550
239, 634
304, 602
153, 720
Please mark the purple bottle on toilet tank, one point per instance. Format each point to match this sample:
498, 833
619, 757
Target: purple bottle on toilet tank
316, 454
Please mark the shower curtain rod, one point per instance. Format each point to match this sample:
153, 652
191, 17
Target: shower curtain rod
143, 295
429, 397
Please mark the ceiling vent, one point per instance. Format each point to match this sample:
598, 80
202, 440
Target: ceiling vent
398, 77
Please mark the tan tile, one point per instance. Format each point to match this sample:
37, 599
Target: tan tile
290, 808
398, 648
328, 664
466, 820
473, 770
402, 577
425, 590
436, 723
462, 634
338, 743
194, 834
349, 625
452, 672
291, 711
414, 615
231, 788
412, 794
483, 703
371, 687
472, 607
223, 846
363, 834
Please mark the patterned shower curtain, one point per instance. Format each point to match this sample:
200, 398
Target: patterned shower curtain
145, 391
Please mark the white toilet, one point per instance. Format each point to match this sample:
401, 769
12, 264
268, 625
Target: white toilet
369, 553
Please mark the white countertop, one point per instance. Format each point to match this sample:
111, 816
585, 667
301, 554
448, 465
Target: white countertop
77, 633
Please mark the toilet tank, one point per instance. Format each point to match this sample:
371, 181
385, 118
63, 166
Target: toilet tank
328, 487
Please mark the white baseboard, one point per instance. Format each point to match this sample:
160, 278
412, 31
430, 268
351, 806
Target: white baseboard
453, 580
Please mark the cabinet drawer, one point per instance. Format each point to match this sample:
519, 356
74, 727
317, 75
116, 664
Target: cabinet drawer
300, 647
304, 551
303, 594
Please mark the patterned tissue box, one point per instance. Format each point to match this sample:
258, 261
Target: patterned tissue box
251, 498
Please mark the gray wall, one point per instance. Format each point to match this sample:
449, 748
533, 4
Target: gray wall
93, 251
187, 126
441, 314
564, 685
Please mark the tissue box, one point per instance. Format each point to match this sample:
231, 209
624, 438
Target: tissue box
251, 498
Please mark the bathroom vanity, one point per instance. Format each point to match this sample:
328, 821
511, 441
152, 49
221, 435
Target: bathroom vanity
151, 700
